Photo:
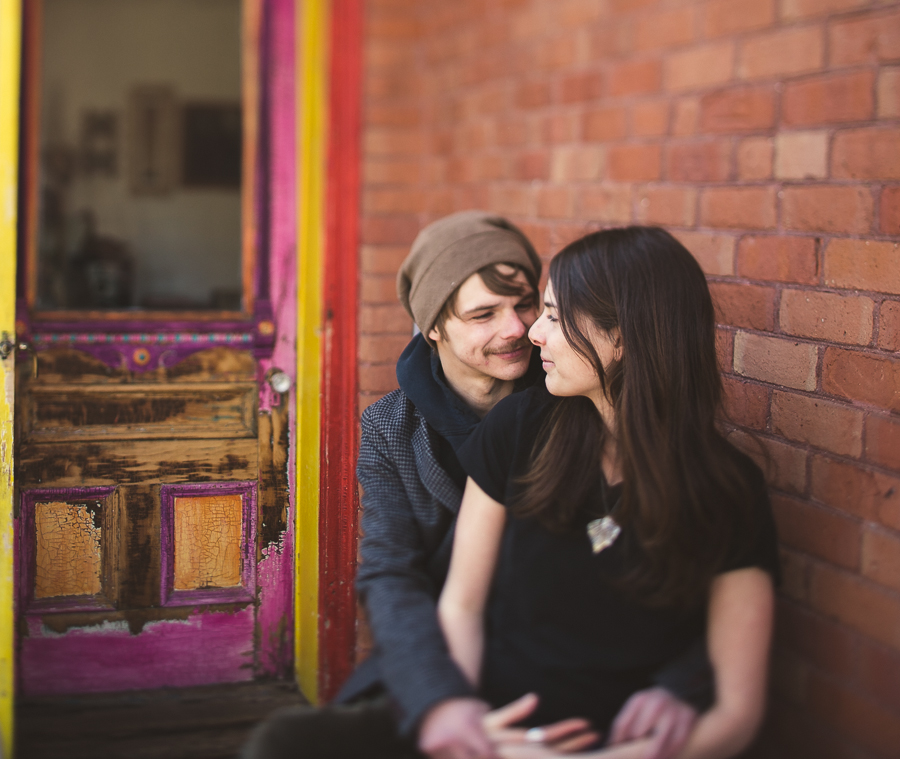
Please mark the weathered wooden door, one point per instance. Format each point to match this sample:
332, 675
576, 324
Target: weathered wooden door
152, 421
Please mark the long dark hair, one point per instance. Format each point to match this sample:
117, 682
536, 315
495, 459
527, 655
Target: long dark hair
685, 496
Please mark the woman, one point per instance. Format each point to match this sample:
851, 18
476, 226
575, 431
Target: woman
610, 518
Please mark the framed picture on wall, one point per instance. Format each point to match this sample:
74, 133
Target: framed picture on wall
211, 145
153, 140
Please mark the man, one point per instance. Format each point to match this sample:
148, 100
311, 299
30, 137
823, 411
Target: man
470, 284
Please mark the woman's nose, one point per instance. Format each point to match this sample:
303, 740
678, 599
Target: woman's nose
535, 334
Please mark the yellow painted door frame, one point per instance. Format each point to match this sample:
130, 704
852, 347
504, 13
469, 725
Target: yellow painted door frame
10, 47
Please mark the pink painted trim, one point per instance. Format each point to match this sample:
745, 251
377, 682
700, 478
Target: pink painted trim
207, 647
26, 550
246, 591
275, 572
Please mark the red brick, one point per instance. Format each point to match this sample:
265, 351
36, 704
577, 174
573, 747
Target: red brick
782, 259
393, 84
650, 119
555, 202
664, 29
870, 725
382, 259
392, 230
796, 569
392, 141
634, 77
794, 9
881, 557
532, 164
609, 204
391, 171
608, 40
533, 93
714, 253
574, 163
377, 378
376, 319
819, 423
889, 326
831, 647
561, 127
827, 208
785, 52
673, 206
784, 464
628, 163
740, 305
507, 132
699, 67
866, 154
378, 289
888, 94
745, 403
604, 124
754, 158
382, 348
889, 211
817, 531
801, 155
857, 603
883, 441
393, 26
490, 166
741, 109
772, 359
578, 88
863, 265
392, 200
829, 98
555, 54
686, 117
739, 207
862, 377
863, 493
724, 348
827, 316
879, 674
727, 17
393, 115
512, 200
863, 39
708, 161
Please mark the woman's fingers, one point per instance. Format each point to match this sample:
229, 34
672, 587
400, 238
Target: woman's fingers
511, 713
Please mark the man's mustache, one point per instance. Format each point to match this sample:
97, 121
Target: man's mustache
508, 348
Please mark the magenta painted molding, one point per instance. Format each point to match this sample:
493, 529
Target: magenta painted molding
205, 648
246, 591
25, 550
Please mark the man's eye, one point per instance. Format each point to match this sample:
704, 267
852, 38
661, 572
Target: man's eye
483, 317
525, 306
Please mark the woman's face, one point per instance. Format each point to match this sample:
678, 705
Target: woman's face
568, 372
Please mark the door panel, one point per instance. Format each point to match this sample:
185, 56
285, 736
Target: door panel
137, 539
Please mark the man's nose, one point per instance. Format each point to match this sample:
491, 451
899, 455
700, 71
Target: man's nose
513, 327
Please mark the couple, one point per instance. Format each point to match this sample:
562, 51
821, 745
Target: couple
607, 533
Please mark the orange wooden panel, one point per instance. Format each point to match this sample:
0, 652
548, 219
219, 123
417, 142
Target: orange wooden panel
208, 541
67, 556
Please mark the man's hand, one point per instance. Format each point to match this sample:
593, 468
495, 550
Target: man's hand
453, 730
657, 714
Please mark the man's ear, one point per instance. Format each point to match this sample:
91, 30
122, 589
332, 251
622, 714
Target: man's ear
434, 335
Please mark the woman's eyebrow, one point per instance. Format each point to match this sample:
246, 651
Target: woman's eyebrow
549, 304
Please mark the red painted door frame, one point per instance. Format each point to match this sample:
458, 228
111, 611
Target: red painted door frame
339, 497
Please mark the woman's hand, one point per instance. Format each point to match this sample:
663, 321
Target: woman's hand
559, 739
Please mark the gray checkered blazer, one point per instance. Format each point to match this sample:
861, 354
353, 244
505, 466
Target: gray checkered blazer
410, 505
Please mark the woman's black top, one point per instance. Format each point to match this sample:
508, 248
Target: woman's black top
555, 624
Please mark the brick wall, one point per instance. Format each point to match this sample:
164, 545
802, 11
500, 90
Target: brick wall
764, 133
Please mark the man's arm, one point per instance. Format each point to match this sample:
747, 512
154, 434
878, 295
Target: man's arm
399, 595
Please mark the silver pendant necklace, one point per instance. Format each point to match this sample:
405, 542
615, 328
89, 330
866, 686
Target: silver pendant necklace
603, 531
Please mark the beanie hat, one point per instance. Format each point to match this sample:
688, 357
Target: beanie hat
448, 251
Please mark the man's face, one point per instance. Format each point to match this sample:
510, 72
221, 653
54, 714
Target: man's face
488, 335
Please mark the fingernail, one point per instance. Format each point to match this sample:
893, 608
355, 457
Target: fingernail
535, 735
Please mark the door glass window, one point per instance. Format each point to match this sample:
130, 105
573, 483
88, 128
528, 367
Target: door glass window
139, 156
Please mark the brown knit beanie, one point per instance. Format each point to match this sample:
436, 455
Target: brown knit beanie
448, 251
